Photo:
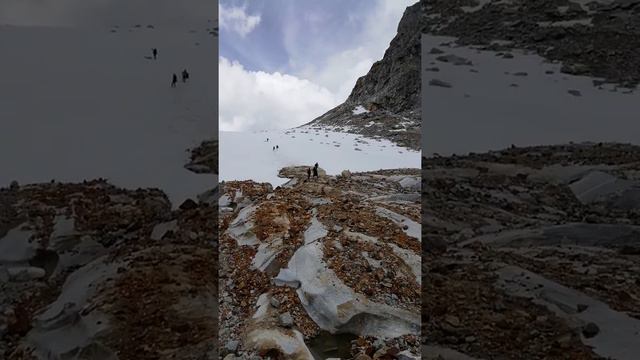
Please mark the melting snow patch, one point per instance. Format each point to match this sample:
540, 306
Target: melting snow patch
240, 227
315, 231
267, 252
16, 247
263, 305
410, 258
320, 201
619, 336
224, 201
359, 110
410, 227
597, 185
64, 227
161, 229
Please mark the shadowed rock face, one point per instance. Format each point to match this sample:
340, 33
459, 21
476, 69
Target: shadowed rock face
535, 242
334, 254
390, 91
393, 83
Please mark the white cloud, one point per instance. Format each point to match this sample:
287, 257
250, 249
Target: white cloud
341, 70
257, 100
237, 20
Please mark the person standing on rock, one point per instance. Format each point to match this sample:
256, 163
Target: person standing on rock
155, 53
174, 80
308, 173
315, 170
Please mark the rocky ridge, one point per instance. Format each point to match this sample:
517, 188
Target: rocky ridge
532, 252
324, 258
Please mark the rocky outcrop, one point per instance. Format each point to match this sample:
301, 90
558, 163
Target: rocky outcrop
532, 252
386, 101
91, 271
334, 254
204, 158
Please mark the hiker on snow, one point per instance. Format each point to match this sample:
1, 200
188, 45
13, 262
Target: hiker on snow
174, 80
155, 53
274, 148
277, 147
185, 75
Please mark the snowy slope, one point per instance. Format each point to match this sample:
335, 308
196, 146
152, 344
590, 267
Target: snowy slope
245, 155
482, 110
85, 103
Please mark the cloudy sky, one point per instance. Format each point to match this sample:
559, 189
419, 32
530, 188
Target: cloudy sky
164, 14
285, 62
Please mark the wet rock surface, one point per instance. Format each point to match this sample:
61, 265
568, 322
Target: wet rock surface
86, 278
528, 252
313, 259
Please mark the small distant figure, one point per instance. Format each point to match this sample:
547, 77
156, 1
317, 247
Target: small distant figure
174, 80
267, 139
315, 170
277, 147
185, 75
274, 148
308, 173
155, 53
